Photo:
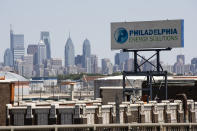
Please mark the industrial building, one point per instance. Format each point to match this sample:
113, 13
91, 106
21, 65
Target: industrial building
109, 87
21, 84
6, 97
107, 107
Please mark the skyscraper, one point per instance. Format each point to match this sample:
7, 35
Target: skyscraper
107, 67
41, 52
181, 59
33, 50
28, 66
120, 59
8, 58
194, 61
86, 52
11, 43
116, 59
179, 65
123, 56
78, 60
69, 53
94, 64
56, 63
194, 65
88, 65
18, 50
129, 65
45, 37
18, 66
16, 45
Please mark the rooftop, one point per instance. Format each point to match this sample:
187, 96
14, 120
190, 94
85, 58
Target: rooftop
120, 77
9, 76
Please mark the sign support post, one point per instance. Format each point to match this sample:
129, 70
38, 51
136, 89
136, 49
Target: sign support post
144, 36
150, 74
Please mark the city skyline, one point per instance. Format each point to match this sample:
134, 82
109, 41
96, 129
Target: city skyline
86, 50
96, 29
82, 46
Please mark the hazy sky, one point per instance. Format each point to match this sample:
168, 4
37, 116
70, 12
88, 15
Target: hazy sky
91, 19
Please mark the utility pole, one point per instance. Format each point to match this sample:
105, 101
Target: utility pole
40, 92
53, 90
18, 92
22, 91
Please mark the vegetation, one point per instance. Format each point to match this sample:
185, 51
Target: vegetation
70, 76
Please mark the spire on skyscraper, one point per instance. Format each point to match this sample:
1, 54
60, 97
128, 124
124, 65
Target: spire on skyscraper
10, 27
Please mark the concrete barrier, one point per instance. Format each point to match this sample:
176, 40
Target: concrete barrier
63, 112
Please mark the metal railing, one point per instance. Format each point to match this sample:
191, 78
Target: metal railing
107, 127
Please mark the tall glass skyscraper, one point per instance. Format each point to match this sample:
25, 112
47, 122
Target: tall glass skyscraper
69, 53
86, 52
46, 38
117, 59
121, 57
8, 58
19, 49
41, 52
17, 45
11, 40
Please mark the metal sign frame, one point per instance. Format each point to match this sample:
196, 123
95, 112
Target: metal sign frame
148, 74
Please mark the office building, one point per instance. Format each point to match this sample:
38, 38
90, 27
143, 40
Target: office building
11, 41
168, 68
107, 67
41, 52
94, 64
45, 37
33, 50
28, 66
129, 65
8, 58
39, 70
88, 65
56, 63
18, 46
18, 66
123, 56
181, 59
86, 52
12, 44
116, 59
179, 65
78, 60
194, 65
120, 59
69, 53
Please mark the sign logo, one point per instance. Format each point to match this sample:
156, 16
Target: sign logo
121, 35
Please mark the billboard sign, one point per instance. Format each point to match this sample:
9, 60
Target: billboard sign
147, 34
